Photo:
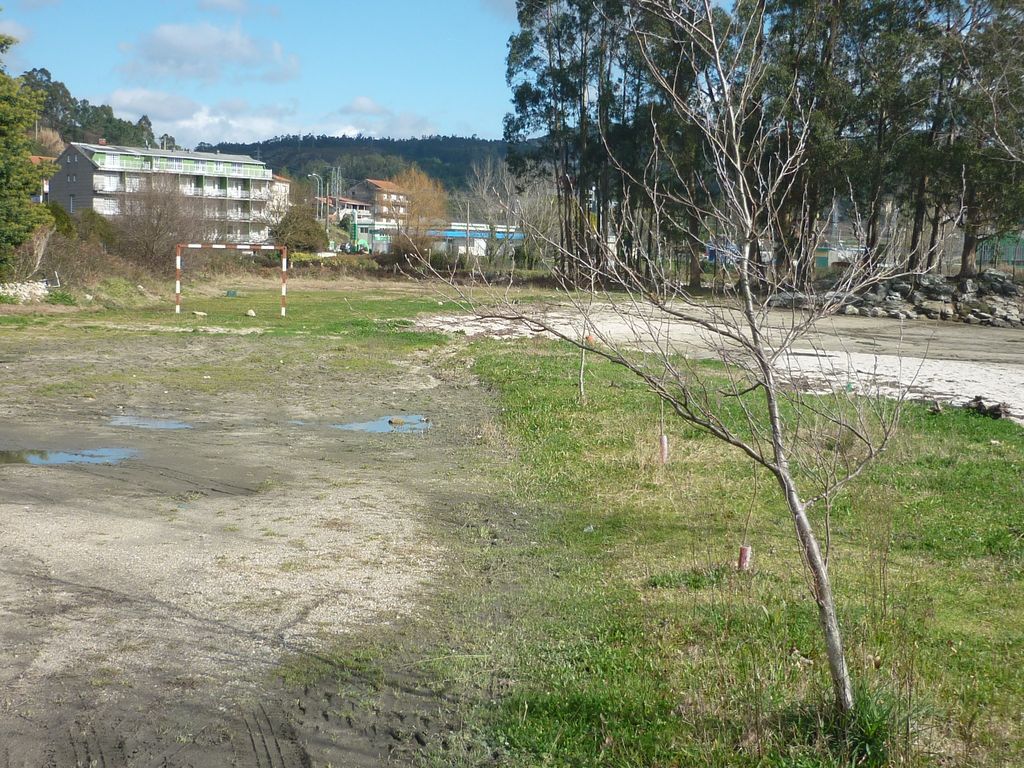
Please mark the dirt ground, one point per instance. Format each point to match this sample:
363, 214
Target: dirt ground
950, 362
145, 605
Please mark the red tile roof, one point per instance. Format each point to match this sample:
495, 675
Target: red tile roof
387, 186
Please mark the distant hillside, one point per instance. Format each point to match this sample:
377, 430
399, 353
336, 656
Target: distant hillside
449, 159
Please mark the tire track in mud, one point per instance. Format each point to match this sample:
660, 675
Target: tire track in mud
84, 748
272, 747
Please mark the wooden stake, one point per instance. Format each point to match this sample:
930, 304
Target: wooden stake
746, 557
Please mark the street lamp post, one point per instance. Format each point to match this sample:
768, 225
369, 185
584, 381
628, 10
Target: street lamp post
319, 190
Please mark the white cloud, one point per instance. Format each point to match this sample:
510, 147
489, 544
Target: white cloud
191, 122
371, 118
237, 119
363, 105
211, 125
18, 31
207, 53
158, 105
13, 61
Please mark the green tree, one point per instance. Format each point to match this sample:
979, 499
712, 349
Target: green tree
94, 227
19, 178
62, 221
298, 230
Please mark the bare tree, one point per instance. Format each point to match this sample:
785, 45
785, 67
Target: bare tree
28, 257
155, 217
485, 202
535, 201
426, 208
623, 304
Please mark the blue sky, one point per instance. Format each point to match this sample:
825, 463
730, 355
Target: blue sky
241, 70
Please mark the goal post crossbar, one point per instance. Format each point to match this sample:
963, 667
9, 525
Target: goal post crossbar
283, 250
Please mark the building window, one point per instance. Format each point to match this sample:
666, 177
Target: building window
74, 177
71, 203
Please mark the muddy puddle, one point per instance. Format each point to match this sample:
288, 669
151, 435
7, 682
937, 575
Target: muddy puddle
408, 424
144, 422
62, 458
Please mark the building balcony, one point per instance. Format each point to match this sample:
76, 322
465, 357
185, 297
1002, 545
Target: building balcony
116, 163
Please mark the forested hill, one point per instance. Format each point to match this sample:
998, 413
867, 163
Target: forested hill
449, 159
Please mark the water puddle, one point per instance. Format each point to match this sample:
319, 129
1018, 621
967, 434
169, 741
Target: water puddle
60, 458
143, 422
416, 424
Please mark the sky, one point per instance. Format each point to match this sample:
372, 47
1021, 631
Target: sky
244, 70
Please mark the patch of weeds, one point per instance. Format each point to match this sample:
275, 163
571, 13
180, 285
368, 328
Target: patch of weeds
336, 665
817, 734
185, 683
694, 578
231, 528
6, 298
60, 296
334, 524
117, 293
104, 677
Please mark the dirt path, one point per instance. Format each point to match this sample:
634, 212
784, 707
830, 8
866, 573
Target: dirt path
145, 604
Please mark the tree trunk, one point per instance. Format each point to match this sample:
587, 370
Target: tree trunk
969, 254
917, 233
696, 251
822, 587
695, 266
933, 239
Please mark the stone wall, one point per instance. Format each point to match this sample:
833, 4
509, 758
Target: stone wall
24, 293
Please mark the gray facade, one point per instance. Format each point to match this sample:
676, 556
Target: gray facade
72, 185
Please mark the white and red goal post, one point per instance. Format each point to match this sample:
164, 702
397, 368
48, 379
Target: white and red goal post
234, 247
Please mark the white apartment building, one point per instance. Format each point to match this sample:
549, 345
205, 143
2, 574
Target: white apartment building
235, 190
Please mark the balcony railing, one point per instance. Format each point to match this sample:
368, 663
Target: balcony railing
116, 163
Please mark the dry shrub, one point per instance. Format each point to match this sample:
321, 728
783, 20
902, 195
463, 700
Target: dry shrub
26, 261
85, 262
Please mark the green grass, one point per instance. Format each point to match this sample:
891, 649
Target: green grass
60, 296
364, 331
629, 638
604, 623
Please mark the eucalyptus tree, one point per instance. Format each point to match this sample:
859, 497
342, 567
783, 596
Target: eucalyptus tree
959, 160
572, 86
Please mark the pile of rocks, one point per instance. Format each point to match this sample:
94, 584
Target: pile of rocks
24, 293
991, 299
